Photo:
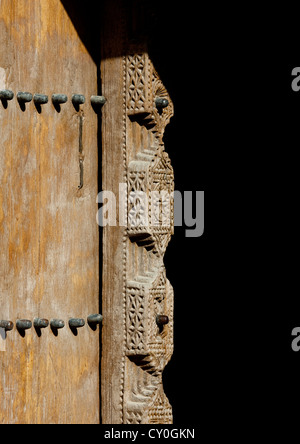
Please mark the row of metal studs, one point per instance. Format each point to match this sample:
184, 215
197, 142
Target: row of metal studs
57, 99
25, 324
94, 319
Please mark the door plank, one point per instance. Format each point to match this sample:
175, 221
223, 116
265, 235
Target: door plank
49, 258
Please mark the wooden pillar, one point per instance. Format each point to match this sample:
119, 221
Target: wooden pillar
135, 348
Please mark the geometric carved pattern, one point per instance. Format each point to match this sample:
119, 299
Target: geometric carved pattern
147, 344
150, 216
160, 411
151, 409
143, 87
135, 320
137, 127
151, 222
136, 82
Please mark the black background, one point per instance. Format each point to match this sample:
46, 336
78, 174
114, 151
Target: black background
179, 55
178, 47
235, 135
284, 363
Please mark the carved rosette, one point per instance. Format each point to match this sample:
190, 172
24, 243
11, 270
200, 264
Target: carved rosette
150, 215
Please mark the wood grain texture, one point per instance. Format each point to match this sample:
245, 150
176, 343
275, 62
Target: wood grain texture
113, 280
48, 233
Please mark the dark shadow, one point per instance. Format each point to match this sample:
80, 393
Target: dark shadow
21, 332
4, 103
74, 330
38, 107
97, 108
22, 105
54, 330
92, 326
76, 106
85, 18
160, 328
38, 331
57, 107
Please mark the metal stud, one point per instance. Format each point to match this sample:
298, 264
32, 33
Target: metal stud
162, 320
95, 319
40, 99
7, 325
57, 323
23, 324
161, 103
40, 323
78, 99
24, 96
59, 98
76, 322
6, 94
98, 100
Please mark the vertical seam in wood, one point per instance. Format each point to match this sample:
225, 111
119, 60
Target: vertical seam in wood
80, 143
124, 241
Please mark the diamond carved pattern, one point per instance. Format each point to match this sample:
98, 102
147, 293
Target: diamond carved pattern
136, 82
135, 311
150, 217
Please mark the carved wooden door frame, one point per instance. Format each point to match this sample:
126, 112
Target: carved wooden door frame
135, 349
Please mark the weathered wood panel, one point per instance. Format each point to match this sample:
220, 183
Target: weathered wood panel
113, 173
48, 231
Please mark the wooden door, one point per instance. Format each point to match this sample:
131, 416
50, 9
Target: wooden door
49, 238
49, 247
